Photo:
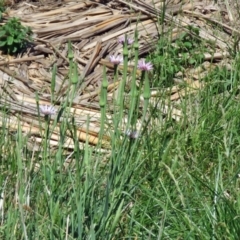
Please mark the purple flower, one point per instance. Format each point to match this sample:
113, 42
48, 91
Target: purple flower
122, 40
116, 60
142, 65
130, 41
47, 110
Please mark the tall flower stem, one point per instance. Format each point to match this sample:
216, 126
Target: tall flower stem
120, 99
146, 96
46, 135
115, 76
103, 103
132, 119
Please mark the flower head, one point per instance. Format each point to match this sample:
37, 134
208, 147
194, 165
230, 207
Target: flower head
122, 40
47, 110
116, 60
142, 65
130, 41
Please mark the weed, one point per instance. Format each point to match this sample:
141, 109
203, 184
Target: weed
14, 36
2, 7
170, 59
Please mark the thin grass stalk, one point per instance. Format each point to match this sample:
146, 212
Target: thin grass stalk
115, 77
215, 198
73, 79
66, 231
117, 217
70, 58
103, 103
146, 94
71, 92
79, 191
120, 100
87, 197
73, 87
134, 93
80, 200
2, 197
39, 119
117, 109
19, 193
46, 130
46, 144
53, 83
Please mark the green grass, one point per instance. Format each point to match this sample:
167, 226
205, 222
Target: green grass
179, 180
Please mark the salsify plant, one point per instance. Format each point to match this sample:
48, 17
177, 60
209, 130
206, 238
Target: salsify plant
125, 133
143, 88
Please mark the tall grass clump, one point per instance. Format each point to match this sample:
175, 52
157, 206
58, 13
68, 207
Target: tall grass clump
191, 171
92, 198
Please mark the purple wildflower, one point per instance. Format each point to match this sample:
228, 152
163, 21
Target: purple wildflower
142, 65
116, 60
47, 110
122, 40
130, 41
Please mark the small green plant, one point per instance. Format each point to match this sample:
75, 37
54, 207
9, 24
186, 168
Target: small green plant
187, 51
2, 8
14, 36
187, 46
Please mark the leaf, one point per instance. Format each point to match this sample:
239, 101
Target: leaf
17, 40
14, 50
188, 45
2, 43
2, 33
9, 40
192, 61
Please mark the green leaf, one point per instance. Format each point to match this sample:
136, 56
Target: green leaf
14, 50
188, 45
2, 33
192, 61
17, 40
2, 43
9, 40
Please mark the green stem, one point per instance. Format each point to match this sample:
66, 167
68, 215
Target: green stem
134, 93
120, 101
103, 103
146, 97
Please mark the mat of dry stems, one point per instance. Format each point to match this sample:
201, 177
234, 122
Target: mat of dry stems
93, 28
